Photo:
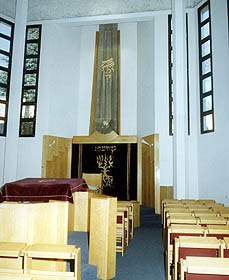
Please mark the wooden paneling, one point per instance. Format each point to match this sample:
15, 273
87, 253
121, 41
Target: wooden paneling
108, 138
35, 223
56, 157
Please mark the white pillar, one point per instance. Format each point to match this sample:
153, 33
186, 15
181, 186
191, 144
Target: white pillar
179, 96
11, 148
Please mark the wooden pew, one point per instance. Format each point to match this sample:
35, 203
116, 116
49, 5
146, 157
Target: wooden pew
16, 276
218, 231
217, 206
198, 246
26, 254
207, 201
55, 252
174, 231
207, 214
126, 211
174, 209
173, 214
223, 210
130, 205
195, 207
204, 268
208, 220
225, 251
189, 220
120, 233
11, 255
168, 202
136, 213
191, 201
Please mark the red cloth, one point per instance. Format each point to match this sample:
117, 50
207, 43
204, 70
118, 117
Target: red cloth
42, 189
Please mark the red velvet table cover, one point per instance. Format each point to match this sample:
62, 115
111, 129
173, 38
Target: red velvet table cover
42, 189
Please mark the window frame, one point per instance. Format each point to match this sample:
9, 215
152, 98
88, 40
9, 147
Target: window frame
8, 70
228, 17
31, 87
170, 69
204, 76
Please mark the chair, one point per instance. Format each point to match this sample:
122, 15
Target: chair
94, 182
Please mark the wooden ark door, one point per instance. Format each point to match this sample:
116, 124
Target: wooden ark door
56, 157
151, 172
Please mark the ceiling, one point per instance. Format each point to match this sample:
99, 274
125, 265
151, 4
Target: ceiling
59, 9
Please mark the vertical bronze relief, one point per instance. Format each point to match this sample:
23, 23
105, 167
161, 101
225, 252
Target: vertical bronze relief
106, 81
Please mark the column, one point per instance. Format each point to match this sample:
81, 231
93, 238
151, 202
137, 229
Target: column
179, 98
11, 148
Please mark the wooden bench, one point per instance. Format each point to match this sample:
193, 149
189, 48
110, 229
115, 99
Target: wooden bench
11, 254
40, 252
174, 231
120, 233
225, 251
130, 205
204, 268
15, 276
218, 231
198, 246
189, 220
176, 209
208, 220
126, 211
136, 213
207, 214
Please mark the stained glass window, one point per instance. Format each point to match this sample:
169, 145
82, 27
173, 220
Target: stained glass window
30, 81
6, 46
205, 63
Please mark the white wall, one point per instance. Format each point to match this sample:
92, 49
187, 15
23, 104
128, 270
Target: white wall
213, 147
192, 187
128, 73
162, 100
64, 46
145, 86
2, 158
86, 66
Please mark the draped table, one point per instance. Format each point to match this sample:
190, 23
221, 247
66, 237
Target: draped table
42, 189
